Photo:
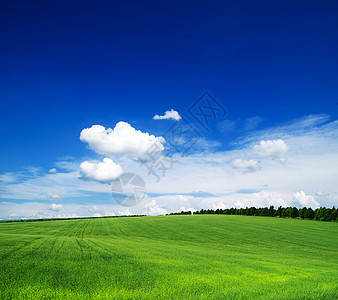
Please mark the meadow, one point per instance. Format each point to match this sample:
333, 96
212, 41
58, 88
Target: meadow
169, 257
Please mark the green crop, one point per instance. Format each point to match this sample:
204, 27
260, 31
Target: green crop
169, 257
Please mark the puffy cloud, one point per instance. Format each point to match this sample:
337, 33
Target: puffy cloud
182, 208
53, 170
103, 171
245, 166
311, 166
55, 207
152, 209
260, 199
169, 114
305, 200
123, 139
274, 149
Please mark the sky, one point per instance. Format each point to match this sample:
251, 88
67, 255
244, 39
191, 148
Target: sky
88, 89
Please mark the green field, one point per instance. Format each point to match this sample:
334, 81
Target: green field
169, 257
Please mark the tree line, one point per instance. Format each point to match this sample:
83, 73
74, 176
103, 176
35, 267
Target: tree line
319, 214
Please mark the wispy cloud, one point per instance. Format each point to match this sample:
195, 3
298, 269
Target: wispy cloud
240, 126
308, 167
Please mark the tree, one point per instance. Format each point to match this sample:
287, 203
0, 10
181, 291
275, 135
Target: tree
302, 212
294, 213
309, 214
278, 212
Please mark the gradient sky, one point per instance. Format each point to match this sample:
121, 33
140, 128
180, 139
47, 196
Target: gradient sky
66, 66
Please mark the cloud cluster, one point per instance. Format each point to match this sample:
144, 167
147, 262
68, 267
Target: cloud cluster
245, 166
123, 139
152, 209
274, 149
104, 171
55, 207
305, 200
310, 166
169, 114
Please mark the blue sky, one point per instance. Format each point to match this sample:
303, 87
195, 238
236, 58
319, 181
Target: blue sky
66, 66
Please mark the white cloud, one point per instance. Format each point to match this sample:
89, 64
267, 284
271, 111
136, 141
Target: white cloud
8, 177
55, 207
50, 195
158, 205
152, 209
102, 172
38, 187
123, 139
187, 209
174, 203
169, 114
53, 196
274, 149
33, 210
311, 166
296, 127
53, 170
245, 166
305, 200
124, 212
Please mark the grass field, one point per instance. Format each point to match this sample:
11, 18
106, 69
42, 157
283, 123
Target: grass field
170, 257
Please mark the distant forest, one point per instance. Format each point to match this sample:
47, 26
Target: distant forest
319, 214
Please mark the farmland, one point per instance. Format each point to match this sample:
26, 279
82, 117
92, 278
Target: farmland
169, 257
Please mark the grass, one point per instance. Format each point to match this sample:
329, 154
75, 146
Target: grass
170, 257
